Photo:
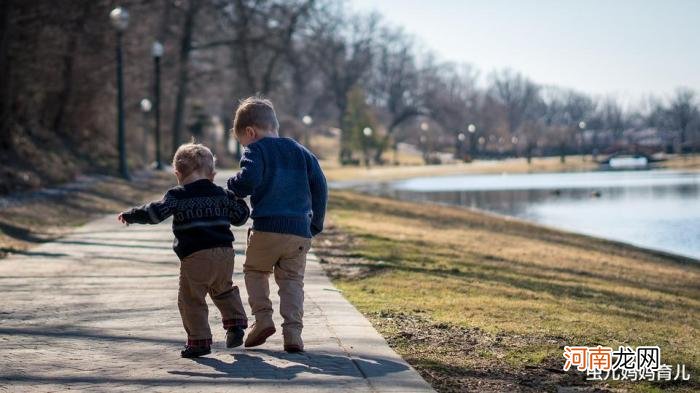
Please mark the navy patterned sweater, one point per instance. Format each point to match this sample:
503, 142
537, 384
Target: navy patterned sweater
288, 191
202, 213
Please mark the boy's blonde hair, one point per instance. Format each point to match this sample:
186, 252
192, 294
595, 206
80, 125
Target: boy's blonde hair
192, 157
255, 112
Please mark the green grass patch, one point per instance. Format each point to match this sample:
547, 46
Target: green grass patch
466, 297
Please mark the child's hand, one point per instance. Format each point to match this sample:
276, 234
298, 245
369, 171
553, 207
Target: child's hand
122, 219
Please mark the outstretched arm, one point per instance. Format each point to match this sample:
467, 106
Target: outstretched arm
150, 213
247, 179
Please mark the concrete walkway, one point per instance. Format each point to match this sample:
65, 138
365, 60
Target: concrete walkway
97, 311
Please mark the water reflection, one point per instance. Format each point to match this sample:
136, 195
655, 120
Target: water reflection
654, 209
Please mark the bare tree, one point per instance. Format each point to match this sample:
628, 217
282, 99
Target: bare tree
193, 7
5, 71
261, 37
344, 53
450, 96
395, 84
681, 113
517, 94
565, 113
520, 99
612, 117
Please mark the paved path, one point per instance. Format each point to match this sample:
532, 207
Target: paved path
97, 311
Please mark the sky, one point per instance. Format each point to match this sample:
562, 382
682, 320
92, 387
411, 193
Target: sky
623, 48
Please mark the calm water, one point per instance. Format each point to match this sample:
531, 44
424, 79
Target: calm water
653, 209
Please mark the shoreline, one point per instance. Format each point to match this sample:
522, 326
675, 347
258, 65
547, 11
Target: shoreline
336, 173
373, 188
682, 259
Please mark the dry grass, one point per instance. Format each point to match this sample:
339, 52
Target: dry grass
537, 289
686, 162
335, 172
30, 218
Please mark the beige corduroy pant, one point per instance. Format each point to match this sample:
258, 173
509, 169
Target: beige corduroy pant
284, 256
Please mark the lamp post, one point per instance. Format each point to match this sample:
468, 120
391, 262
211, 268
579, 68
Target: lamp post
157, 52
424, 126
582, 128
120, 21
145, 109
460, 141
307, 120
471, 128
367, 132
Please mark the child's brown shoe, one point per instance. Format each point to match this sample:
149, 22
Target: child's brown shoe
293, 343
259, 332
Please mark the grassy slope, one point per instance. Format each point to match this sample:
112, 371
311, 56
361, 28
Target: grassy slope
484, 303
33, 218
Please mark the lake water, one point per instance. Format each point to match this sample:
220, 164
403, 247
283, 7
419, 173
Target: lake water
654, 209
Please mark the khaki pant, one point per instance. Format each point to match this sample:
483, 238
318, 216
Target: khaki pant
285, 256
208, 271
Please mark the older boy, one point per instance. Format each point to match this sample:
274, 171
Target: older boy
288, 198
202, 213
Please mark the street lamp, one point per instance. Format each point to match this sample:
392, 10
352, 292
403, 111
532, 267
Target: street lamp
120, 21
367, 132
581, 127
460, 141
424, 126
424, 147
471, 128
307, 120
157, 52
145, 109
146, 105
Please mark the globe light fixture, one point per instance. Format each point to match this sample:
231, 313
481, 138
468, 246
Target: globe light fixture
119, 18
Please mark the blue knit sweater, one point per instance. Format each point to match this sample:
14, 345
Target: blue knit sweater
287, 187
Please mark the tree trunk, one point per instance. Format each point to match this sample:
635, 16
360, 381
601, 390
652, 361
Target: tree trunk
183, 74
562, 153
5, 79
68, 61
383, 145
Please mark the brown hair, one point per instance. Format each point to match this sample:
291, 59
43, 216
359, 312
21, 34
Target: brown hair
255, 112
192, 157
